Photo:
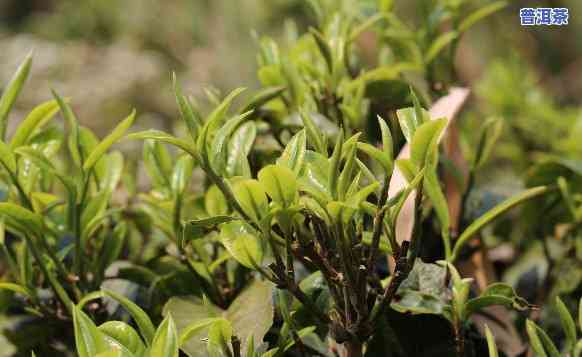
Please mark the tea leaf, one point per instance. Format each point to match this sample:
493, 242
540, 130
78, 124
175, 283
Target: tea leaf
324, 48
252, 198
196, 229
218, 151
165, 138
485, 219
141, 318
239, 147
73, 124
481, 14
262, 97
316, 137
165, 341
104, 145
241, 242
88, 339
219, 335
194, 328
491, 342
22, 216
567, 323
11, 92
378, 155
191, 118
125, 335
7, 158
19, 289
439, 44
38, 117
425, 141
280, 183
294, 153
334, 164
182, 174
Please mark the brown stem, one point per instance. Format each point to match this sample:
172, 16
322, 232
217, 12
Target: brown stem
353, 348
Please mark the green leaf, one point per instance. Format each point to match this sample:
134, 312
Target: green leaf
252, 198
88, 339
481, 14
37, 118
409, 121
196, 229
334, 164
109, 140
425, 141
314, 180
141, 318
496, 294
317, 138
11, 92
195, 328
485, 219
19, 289
568, 324
7, 158
439, 44
380, 156
182, 174
124, 335
324, 48
262, 97
387, 142
73, 124
490, 132
191, 118
239, 147
542, 337
25, 218
215, 202
165, 138
219, 335
165, 342
434, 192
280, 183
534, 339
242, 243
218, 153
113, 172
294, 153
251, 316
492, 347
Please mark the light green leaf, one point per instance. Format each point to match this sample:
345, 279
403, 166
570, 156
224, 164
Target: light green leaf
141, 318
294, 153
491, 343
409, 121
109, 140
215, 202
37, 118
567, 324
242, 243
196, 229
481, 14
219, 335
182, 174
425, 141
7, 158
11, 91
252, 198
334, 164
262, 97
19, 289
124, 335
439, 44
73, 127
381, 156
191, 118
239, 147
490, 132
25, 218
485, 219
387, 142
218, 153
324, 48
280, 183
88, 339
165, 342
317, 138
165, 138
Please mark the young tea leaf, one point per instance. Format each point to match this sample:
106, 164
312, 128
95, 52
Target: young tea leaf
11, 92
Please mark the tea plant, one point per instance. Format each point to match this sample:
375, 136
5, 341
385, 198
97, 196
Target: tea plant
266, 226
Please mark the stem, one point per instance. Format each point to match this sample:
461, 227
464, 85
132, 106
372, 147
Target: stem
353, 348
378, 220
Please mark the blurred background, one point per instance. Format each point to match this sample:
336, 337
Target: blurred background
111, 55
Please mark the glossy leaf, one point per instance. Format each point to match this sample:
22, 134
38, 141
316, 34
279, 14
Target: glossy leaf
280, 183
11, 91
125, 335
439, 44
37, 118
109, 140
242, 243
165, 138
568, 323
165, 341
252, 198
7, 158
294, 154
182, 173
425, 141
88, 339
23, 216
492, 347
485, 219
262, 97
141, 318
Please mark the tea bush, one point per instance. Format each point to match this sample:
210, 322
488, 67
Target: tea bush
269, 228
